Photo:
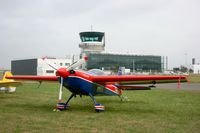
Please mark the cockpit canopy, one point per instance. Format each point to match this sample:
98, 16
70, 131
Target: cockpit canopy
96, 72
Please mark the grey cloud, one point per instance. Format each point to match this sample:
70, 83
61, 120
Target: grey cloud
48, 27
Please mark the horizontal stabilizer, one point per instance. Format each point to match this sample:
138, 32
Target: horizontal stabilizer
133, 87
9, 82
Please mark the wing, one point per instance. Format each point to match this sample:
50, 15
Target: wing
34, 78
8, 84
136, 79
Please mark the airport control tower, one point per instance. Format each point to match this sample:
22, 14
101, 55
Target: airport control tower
92, 42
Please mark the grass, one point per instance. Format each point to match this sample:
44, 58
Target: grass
1, 74
30, 109
194, 78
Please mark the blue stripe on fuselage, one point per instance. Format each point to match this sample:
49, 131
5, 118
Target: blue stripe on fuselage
78, 85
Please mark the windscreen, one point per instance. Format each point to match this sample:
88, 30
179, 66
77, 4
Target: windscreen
95, 72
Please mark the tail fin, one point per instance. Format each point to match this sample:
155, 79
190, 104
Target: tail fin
7, 73
8, 85
121, 71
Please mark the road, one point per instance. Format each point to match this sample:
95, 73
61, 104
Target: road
183, 86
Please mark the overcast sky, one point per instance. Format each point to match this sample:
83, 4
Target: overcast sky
36, 28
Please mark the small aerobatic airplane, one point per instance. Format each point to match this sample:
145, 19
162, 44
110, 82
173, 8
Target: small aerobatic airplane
8, 85
93, 82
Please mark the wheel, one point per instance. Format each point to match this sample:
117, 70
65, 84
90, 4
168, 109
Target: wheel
62, 106
99, 107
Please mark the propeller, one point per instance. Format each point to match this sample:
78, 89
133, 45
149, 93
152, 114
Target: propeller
65, 72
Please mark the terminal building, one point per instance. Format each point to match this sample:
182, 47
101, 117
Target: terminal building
93, 45
135, 63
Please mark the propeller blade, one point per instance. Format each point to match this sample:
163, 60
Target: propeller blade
61, 87
77, 63
52, 66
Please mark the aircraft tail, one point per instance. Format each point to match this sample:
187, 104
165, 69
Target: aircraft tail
8, 85
7, 73
121, 71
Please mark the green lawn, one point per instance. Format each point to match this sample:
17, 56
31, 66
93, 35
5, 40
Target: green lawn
30, 109
194, 78
1, 74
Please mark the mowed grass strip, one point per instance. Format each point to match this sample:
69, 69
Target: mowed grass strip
30, 109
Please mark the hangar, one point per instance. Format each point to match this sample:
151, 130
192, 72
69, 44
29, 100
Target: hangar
37, 66
196, 68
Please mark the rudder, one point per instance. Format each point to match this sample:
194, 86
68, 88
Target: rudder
7, 73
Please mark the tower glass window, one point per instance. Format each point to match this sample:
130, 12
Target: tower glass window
91, 36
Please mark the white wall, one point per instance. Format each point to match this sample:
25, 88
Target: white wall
45, 69
196, 69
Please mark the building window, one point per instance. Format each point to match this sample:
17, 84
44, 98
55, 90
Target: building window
61, 64
49, 71
66, 64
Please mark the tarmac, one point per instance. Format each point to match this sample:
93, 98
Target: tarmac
183, 86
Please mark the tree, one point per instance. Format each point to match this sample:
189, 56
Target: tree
183, 69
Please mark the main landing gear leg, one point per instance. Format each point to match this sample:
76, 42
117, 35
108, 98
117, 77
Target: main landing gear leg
98, 107
72, 95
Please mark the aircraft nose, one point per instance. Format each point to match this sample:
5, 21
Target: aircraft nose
62, 72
